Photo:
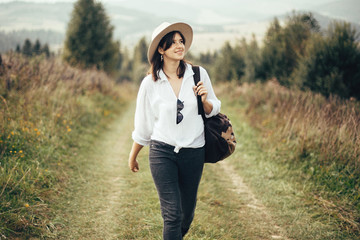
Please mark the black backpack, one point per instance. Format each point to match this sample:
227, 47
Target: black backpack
220, 140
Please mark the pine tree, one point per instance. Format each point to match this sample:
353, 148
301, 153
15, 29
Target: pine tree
27, 48
252, 60
331, 64
271, 55
126, 66
18, 49
140, 51
37, 48
140, 62
283, 46
45, 49
230, 64
89, 37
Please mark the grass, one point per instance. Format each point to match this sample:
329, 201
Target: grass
65, 139
292, 205
223, 212
48, 111
304, 161
127, 206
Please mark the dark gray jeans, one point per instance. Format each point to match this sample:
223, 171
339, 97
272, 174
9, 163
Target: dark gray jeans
177, 177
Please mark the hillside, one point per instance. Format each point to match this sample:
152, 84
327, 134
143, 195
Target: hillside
49, 110
345, 9
214, 22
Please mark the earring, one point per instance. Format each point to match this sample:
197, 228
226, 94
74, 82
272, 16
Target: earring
162, 58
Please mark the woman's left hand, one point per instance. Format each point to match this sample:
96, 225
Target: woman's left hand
201, 90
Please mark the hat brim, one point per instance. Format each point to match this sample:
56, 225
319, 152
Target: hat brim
185, 30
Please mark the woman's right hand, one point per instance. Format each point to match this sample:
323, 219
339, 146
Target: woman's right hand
134, 165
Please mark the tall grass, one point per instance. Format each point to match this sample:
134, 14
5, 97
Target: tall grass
47, 110
318, 136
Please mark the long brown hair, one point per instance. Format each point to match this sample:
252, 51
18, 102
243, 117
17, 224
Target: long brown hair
157, 64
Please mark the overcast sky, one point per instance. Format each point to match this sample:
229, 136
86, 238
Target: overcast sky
246, 2
52, 1
261, 6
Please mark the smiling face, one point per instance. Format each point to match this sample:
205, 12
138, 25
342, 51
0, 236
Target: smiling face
173, 49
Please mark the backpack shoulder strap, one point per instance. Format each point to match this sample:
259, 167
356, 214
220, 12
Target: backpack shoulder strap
201, 112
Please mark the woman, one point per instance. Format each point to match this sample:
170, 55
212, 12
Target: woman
167, 119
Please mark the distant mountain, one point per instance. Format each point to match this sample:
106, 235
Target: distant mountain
348, 10
27, 15
213, 21
203, 12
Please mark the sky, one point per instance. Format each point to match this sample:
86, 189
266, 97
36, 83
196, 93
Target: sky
286, 2
52, 1
273, 6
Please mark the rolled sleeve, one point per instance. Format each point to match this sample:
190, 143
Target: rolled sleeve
137, 138
216, 108
211, 97
144, 118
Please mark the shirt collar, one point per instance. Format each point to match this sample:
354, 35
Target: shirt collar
162, 76
188, 73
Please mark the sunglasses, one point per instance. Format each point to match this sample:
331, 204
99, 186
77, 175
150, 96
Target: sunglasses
180, 106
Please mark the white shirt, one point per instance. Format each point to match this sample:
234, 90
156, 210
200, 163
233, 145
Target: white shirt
156, 111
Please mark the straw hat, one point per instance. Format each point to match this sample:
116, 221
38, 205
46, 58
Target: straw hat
164, 29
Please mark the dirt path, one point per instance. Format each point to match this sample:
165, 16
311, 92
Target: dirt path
100, 202
253, 205
94, 198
